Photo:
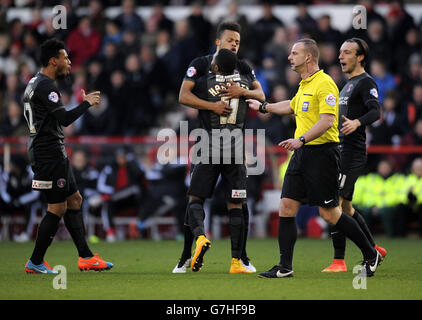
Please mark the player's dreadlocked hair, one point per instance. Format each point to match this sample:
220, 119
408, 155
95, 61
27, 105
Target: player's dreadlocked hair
229, 25
226, 61
49, 49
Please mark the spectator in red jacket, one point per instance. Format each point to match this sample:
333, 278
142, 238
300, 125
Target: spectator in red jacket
83, 43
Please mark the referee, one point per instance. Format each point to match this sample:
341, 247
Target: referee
312, 174
359, 107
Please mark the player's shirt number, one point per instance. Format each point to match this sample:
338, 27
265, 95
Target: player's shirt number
29, 117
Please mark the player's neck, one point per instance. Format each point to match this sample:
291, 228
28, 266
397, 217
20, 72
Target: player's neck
49, 72
356, 72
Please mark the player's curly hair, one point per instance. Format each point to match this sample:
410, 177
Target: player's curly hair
49, 49
228, 25
226, 61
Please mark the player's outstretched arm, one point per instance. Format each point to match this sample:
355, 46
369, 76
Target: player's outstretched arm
65, 117
280, 108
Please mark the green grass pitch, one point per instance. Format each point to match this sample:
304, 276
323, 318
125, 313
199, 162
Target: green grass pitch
143, 271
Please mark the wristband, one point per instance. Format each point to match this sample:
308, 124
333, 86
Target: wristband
302, 139
263, 107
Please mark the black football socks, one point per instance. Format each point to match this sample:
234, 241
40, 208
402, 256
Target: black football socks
339, 239
287, 236
237, 231
74, 223
245, 212
350, 228
362, 224
46, 232
196, 217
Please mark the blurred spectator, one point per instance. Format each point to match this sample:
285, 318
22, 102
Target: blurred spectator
129, 44
112, 34
14, 124
122, 185
16, 195
97, 79
376, 197
399, 22
326, 33
388, 129
328, 55
96, 121
306, 22
410, 208
30, 45
129, 19
413, 110
96, 16
118, 101
83, 43
201, 28
16, 58
13, 92
263, 29
183, 50
403, 52
383, 78
411, 74
412, 138
86, 178
161, 19
163, 44
112, 59
278, 48
337, 75
166, 193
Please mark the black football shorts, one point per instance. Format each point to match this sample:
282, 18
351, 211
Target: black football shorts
312, 176
204, 178
352, 165
55, 180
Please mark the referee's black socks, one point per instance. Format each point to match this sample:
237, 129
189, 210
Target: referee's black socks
74, 223
287, 235
46, 232
351, 229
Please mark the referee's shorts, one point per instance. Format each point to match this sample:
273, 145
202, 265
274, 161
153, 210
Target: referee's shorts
352, 165
312, 175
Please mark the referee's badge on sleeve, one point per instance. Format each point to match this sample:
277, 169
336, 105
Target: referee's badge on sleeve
331, 99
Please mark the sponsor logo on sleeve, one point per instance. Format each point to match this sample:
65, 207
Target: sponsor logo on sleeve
239, 194
330, 99
53, 96
191, 72
374, 92
39, 184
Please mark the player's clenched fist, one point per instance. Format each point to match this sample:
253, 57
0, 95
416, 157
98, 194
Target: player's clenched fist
93, 98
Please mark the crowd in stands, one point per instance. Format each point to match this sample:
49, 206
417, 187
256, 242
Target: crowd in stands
138, 65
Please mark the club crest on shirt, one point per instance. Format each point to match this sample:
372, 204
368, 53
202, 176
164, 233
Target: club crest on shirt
374, 92
305, 106
61, 183
53, 96
350, 87
331, 99
191, 72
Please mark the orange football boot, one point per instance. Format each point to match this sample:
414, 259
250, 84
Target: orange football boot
95, 263
338, 265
